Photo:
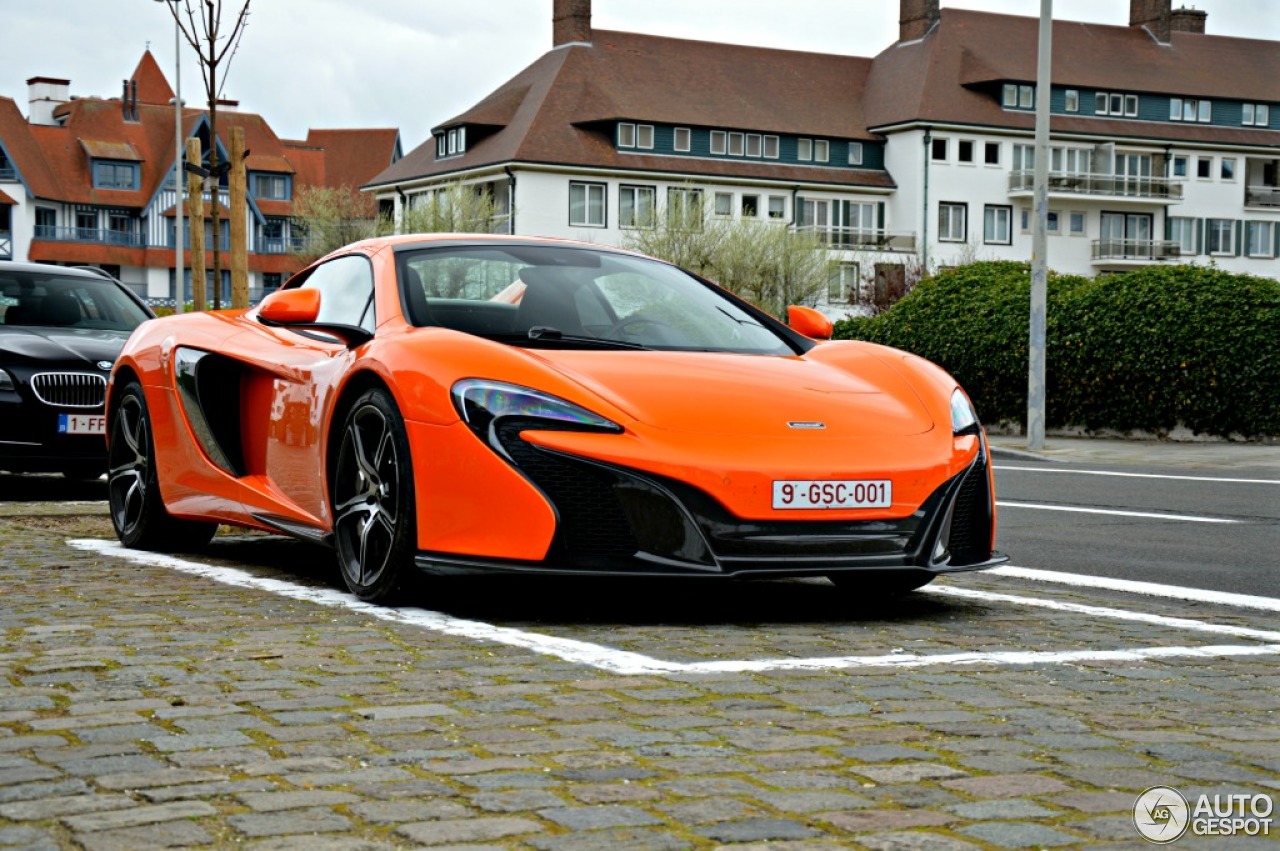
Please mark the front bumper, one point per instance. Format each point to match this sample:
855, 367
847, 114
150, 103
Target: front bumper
612, 520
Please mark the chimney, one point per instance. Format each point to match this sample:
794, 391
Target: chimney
570, 22
916, 18
133, 100
1188, 20
124, 103
1152, 14
44, 95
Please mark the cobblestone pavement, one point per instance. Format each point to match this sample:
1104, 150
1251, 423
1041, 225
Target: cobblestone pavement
142, 707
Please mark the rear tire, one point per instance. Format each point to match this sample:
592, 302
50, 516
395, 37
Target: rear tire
374, 506
133, 489
882, 582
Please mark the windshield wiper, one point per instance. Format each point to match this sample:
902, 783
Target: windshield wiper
546, 335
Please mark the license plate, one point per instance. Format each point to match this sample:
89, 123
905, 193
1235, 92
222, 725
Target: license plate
848, 493
82, 424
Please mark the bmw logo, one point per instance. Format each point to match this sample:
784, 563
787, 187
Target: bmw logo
104, 364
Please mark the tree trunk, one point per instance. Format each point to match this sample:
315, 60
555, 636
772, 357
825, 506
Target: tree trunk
239, 223
195, 213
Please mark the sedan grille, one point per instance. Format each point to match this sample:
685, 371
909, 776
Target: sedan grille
70, 389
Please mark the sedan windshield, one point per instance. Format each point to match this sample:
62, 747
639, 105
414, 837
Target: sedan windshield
56, 301
551, 296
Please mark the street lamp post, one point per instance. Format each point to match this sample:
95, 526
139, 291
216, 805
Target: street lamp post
178, 172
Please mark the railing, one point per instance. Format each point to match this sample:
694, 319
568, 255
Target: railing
8, 172
102, 236
862, 239
280, 245
1262, 196
1136, 249
6, 245
1161, 188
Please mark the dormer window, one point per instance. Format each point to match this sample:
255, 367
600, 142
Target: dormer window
108, 174
272, 187
451, 142
635, 136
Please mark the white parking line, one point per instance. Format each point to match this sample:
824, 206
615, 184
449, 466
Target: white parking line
1078, 509
1149, 589
627, 662
1020, 469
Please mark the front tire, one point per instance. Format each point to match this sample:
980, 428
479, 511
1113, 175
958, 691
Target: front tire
133, 488
375, 526
882, 583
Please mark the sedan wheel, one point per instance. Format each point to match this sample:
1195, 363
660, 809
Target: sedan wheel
133, 490
374, 508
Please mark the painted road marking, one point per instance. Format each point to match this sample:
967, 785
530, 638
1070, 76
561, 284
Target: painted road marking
1149, 589
1158, 515
1017, 468
627, 662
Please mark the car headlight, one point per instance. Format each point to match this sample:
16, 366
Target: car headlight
964, 419
481, 403
6, 382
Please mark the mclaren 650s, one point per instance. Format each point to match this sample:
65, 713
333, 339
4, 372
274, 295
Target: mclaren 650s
465, 404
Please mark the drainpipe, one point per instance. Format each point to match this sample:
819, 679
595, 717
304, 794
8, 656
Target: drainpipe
924, 230
511, 200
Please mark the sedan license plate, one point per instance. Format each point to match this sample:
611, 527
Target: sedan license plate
848, 493
82, 424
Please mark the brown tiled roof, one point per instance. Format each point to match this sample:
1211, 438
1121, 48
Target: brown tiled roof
952, 75
558, 111
6, 199
153, 87
352, 157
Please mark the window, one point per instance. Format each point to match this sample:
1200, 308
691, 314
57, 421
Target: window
346, 291
442, 146
1256, 115
1227, 168
952, 224
626, 135
46, 222
271, 281
1026, 97
1009, 95
991, 153
804, 150
114, 175
636, 207
586, 204
750, 206
722, 204
1190, 109
842, 286
736, 144
1013, 96
452, 143
682, 139
771, 147
777, 206
684, 208
1179, 165
1110, 103
1024, 157
644, 136
1204, 167
938, 150
1076, 221
855, 153
821, 150
86, 224
271, 186
995, 225
118, 228
753, 144
964, 150
1182, 232
1071, 100
1220, 236
1260, 239
719, 141
1053, 222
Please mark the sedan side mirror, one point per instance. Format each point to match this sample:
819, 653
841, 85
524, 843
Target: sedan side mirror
809, 322
287, 307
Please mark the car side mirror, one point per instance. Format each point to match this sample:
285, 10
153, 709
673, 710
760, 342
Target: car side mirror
289, 307
809, 322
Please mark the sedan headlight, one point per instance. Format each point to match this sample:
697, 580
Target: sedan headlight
6, 382
964, 419
481, 403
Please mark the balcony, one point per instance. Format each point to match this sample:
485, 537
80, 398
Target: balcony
1262, 196
8, 172
1161, 190
6, 245
861, 239
281, 245
98, 236
1134, 251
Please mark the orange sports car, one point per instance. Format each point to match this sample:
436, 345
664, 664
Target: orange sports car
466, 404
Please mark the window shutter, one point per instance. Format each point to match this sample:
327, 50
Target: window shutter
1247, 248
799, 203
1168, 228
1199, 229
1275, 235
880, 215
1239, 226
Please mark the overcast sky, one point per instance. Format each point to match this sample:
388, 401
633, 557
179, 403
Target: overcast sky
412, 64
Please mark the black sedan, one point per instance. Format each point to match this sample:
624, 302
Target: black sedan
60, 331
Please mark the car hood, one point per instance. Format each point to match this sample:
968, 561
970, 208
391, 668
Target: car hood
853, 395
26, 345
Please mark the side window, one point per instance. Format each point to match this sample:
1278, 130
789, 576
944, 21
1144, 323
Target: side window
346, 291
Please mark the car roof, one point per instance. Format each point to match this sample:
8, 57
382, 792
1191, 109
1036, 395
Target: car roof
53, 268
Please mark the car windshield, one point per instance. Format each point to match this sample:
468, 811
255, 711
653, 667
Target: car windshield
55, 301
552, 296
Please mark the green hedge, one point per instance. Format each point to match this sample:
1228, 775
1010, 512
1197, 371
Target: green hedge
1151, 349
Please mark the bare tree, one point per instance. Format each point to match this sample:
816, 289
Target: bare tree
458, 208
202, 26
331, 217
